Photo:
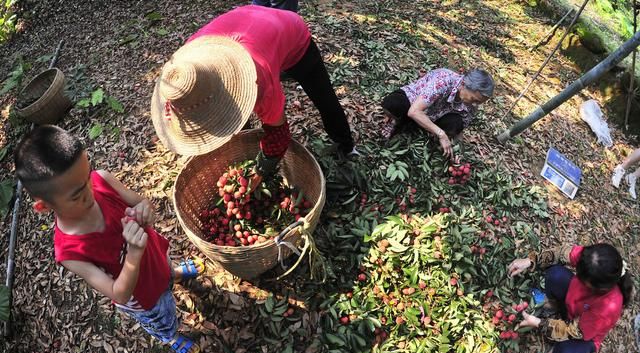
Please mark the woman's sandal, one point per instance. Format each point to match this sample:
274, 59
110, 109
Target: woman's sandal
190, 270
182, 344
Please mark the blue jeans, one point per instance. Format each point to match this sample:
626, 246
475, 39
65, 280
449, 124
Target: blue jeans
160, 321
557, 279
291, 5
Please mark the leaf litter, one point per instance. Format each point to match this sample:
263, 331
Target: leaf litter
390, 43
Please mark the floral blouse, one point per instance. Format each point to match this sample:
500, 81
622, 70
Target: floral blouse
439, 89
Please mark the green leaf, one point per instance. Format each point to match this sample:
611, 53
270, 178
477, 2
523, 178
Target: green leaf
84, 103
9, 84
115, 104
7, 187
97, 97
95, 131
269, 303
128, 39
3, 152
153, 16
4, 303
162, 32
335, 339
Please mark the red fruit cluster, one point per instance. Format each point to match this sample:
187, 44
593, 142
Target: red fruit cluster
520, 307
345, 320
290, 311
459, 174
509, 335
477, 249
408, 290
238, 218
444, 210
412, 193
381, 335
495, 220
363, 200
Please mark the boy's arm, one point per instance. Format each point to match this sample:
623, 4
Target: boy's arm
129, 196
141, 208
118, 290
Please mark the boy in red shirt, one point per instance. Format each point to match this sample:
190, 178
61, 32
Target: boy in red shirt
103, 232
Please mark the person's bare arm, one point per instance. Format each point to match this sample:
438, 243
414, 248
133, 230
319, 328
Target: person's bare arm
140, 209
417, 113
120, 289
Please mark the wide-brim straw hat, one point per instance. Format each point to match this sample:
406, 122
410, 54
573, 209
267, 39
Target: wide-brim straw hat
204, 95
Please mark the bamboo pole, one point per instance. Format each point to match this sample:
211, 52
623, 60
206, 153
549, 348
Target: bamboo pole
632, 73
14, 225
604, 66
550, 33
546, 61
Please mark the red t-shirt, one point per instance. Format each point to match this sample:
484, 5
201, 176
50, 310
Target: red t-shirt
106, 249
598, 313
276, 40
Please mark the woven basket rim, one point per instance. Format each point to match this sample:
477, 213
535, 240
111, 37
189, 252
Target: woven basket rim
223, 252
54, 88
270, 240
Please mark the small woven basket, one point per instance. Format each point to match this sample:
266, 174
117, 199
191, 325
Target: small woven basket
195, 189
44, 98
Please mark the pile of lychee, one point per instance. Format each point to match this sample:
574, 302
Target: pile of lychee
459, 174
241, 217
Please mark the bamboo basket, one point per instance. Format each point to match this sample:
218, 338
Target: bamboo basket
195, 189
45, 92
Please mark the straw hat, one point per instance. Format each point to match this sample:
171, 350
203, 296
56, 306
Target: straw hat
204, 95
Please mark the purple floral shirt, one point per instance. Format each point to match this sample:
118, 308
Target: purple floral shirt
439, 88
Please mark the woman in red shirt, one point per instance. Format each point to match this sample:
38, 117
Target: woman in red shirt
230, 68
589, 303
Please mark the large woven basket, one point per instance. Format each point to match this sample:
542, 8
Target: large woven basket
195, 189
44, 98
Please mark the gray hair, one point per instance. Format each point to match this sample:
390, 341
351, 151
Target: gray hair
480, 81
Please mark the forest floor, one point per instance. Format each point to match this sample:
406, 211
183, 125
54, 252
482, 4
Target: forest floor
371, 48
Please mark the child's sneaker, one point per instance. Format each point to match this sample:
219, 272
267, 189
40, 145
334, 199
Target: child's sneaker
618, 173
631, 180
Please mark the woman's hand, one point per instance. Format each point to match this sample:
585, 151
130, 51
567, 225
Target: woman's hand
255, 180
445, 143
529, 321
518, 266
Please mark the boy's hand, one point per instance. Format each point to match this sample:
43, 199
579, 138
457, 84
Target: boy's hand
529, 321
143, 213
518, 266
134, 235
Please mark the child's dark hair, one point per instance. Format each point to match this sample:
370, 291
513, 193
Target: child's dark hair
451, 124
44, 153
601, 265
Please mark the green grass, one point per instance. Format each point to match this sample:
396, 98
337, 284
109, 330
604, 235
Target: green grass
8, 19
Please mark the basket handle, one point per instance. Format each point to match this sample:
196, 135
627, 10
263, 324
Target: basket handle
279, 242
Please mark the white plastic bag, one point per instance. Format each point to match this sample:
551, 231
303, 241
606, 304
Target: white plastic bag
591, 113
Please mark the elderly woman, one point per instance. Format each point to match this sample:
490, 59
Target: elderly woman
230, 68
442, 102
